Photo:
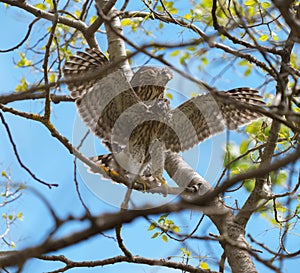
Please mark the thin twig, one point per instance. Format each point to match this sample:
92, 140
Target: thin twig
45, 62
24, 39
18, 157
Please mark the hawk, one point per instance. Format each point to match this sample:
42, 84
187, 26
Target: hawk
135, 121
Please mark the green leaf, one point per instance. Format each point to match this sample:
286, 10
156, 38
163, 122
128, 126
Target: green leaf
169, 222
191, 48
152, 226
159, 8
176, 229
204, 265
244, 146
23, 61
40, 6
284, 132
126, 22
169, 96
50, 3
243, 63
264, 37
4, 174
21, 187
185, 251
164, 238
187, 16
247, 71
150, 15
279, 178
78, 13
163, 217
183, 58
23, 86
93, 19
265, 5
174, 53
52, 77
249, 185
250, 3
155, 235
236, 171
173, 11
20, 216
254, 127
204, 60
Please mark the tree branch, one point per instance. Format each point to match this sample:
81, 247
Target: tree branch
28, 95
99, 224
262, 188
77, 24
118, 259
18, 157
285, 8
116, 45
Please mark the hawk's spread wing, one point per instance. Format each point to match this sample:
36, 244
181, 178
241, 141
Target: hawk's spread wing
80, 65
102, 99
206, 115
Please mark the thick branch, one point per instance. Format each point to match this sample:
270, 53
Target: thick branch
238, 257
116, 45
100, 224
17, 96
262, 185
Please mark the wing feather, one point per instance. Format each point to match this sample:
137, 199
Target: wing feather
79, 65
206, 115
102, 100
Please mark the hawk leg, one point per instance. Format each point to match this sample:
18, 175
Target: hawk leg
119, 175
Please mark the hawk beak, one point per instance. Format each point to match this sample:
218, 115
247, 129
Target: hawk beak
167, 75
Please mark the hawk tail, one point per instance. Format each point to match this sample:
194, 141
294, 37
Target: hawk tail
116, 173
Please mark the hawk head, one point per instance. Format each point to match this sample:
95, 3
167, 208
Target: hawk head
149, 75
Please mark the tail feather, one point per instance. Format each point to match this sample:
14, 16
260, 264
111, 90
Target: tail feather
116, 173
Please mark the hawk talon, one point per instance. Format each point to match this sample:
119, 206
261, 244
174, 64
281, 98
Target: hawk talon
110, 172
164, 185
147, 185
142, 182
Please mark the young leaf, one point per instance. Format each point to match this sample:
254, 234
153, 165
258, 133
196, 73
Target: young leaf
169, 96
126, 22
174, 53
4, 174
265, 5
264, 37
203, 265
250, 2
155, 235
152, 226
164, 238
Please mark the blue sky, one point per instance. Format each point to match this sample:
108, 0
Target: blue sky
50, 161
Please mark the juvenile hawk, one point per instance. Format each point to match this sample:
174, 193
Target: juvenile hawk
135, 121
